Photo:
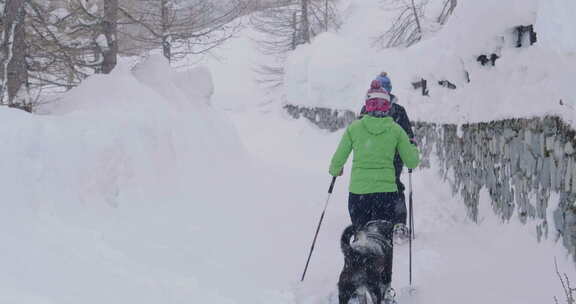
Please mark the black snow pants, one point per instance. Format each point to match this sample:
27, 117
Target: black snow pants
374, 206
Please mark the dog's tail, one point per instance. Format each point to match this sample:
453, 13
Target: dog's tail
345, 241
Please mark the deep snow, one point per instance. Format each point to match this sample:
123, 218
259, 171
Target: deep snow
135, 190
336, 69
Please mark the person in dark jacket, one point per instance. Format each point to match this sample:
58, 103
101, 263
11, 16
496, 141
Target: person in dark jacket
399, 115
374, 140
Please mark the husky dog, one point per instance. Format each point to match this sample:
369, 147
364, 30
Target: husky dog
367, 261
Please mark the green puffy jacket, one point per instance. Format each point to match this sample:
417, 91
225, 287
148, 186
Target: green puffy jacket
374, 141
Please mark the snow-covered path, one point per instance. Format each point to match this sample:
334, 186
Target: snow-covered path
455, 260
230, 231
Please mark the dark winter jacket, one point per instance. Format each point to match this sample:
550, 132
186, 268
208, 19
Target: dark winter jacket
399, 115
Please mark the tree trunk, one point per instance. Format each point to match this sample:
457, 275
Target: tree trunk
417, 19
326, 15
305, 22
110, 27
14, 69
294, 31
166, 47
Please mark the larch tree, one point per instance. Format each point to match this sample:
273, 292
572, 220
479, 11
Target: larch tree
290, 23
284, 25
54, 45
180, 27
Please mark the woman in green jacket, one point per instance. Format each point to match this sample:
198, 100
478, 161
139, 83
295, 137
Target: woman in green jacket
374, 139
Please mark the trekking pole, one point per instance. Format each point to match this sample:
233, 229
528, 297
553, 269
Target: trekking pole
411, 202
411, 208
318, 228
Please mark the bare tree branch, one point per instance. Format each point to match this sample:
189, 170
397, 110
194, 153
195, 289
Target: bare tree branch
447, 10
181, 28
406, 28
568, 290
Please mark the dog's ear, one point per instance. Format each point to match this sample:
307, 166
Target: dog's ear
347, 235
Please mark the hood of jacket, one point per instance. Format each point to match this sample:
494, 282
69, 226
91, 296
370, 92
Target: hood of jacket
377, 125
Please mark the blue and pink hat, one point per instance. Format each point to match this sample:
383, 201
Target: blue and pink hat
377, 98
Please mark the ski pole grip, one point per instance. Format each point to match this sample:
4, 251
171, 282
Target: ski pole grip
410, 170
332, 184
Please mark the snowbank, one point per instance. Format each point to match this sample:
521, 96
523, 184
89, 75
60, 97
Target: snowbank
556, 25
124, 165
336, 69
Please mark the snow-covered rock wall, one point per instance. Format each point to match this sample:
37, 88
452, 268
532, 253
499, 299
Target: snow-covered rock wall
520, 162
323, 118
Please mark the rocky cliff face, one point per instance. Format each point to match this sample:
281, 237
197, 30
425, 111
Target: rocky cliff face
519, 161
